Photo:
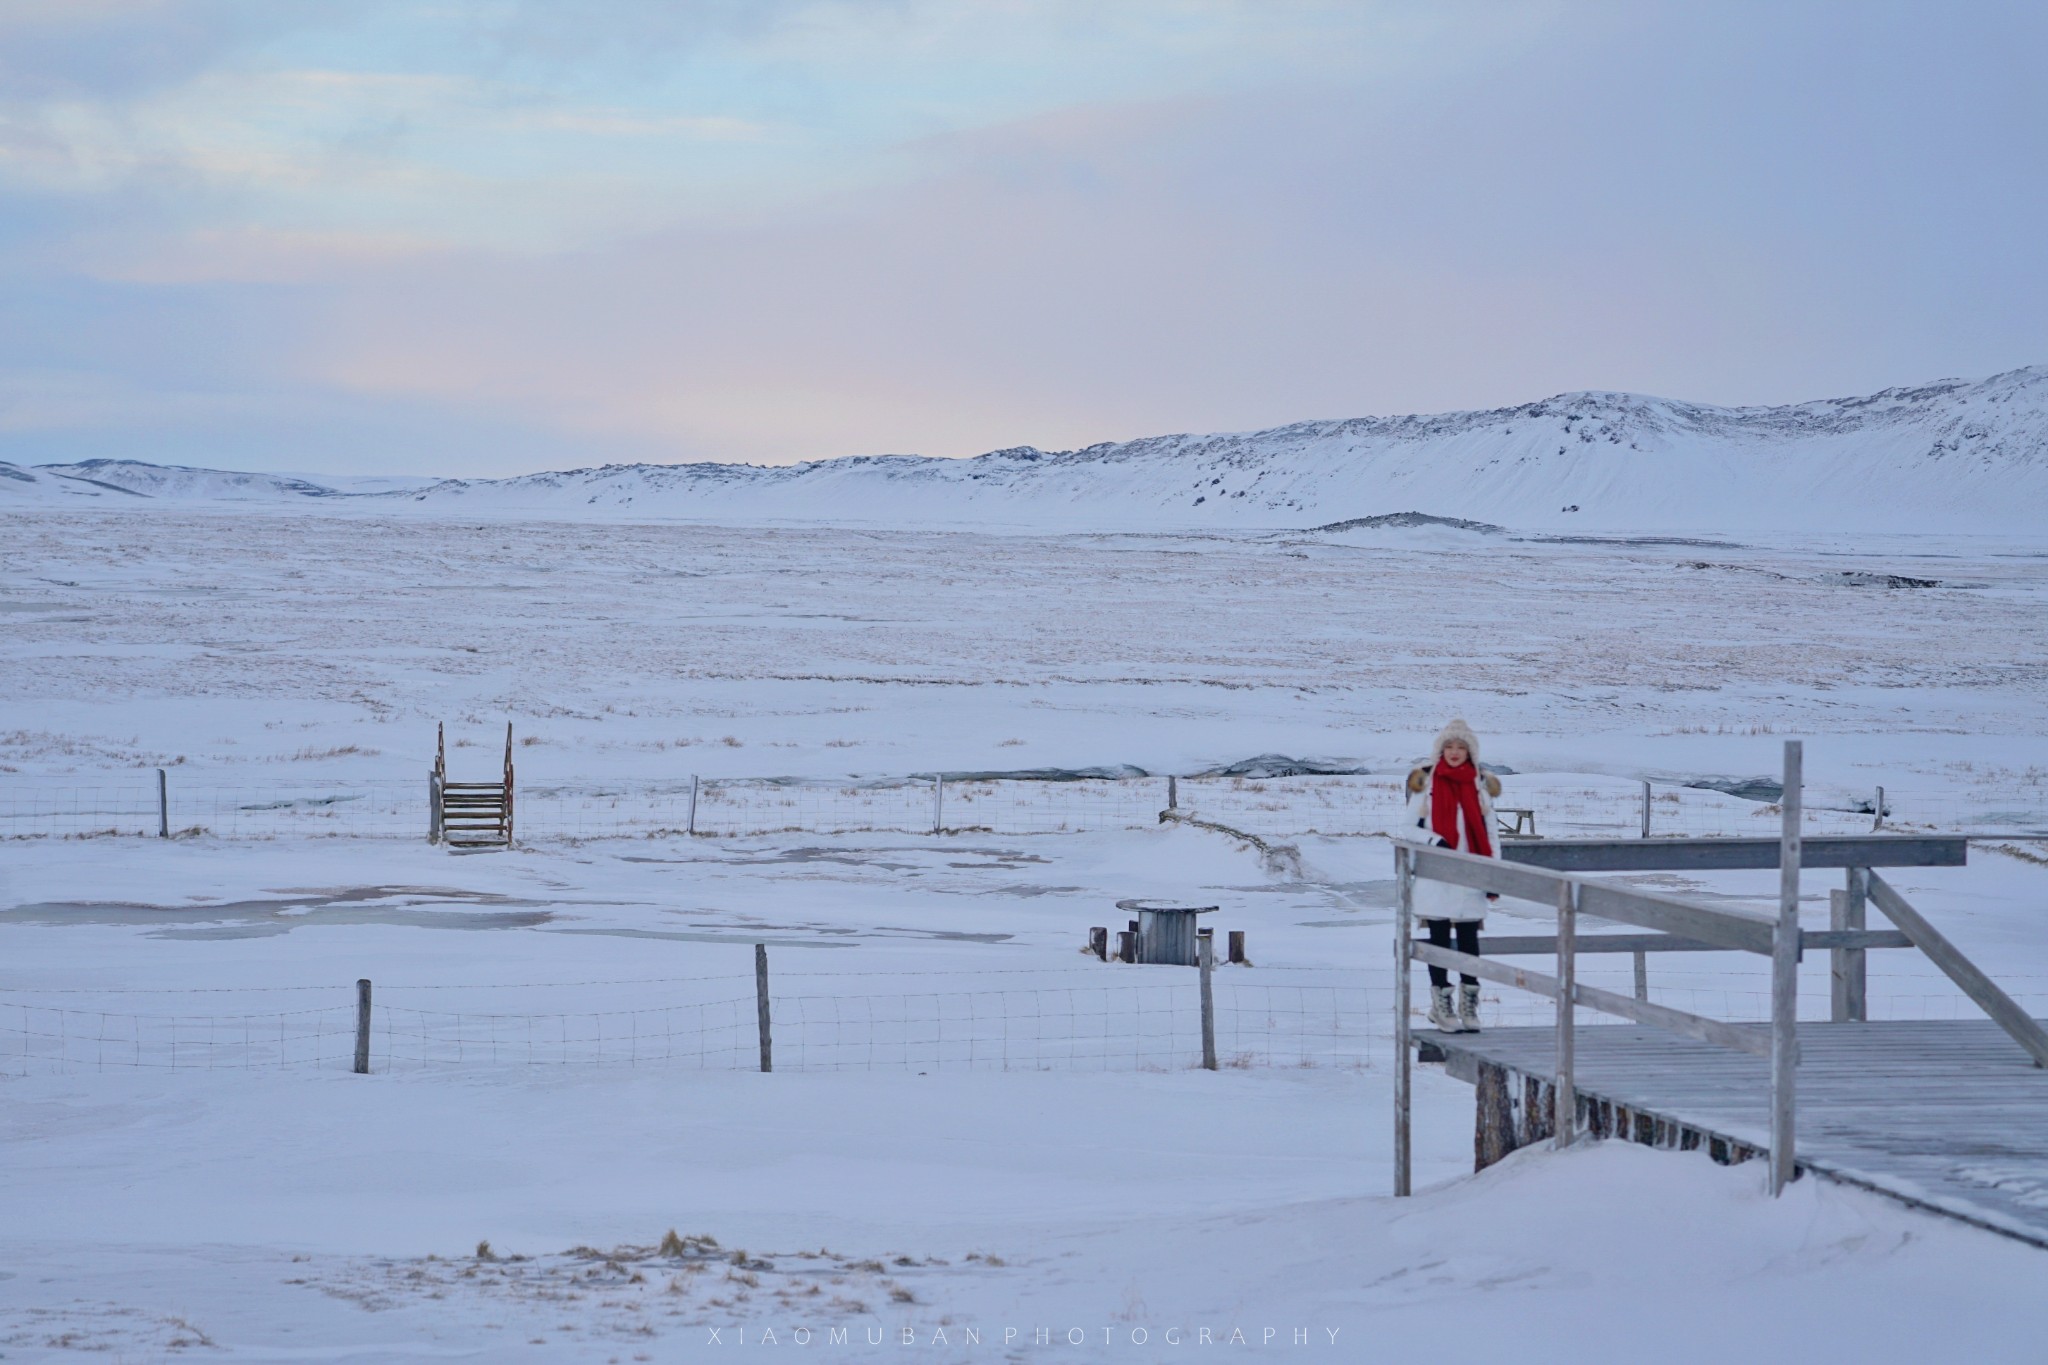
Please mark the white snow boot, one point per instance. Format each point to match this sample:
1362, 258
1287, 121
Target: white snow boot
1441, 1011
1468, 1008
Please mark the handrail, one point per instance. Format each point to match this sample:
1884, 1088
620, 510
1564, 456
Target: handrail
1725, 926
1777, 936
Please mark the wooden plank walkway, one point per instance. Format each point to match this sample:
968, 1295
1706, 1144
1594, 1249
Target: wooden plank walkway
1949, 1115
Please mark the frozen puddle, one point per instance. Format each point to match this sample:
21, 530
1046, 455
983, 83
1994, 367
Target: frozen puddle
415, 907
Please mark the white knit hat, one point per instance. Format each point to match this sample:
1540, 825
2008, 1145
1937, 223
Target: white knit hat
1456, 732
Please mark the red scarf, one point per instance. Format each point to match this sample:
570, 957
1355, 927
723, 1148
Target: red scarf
1452, 790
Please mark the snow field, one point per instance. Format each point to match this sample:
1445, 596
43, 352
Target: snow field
957, 1085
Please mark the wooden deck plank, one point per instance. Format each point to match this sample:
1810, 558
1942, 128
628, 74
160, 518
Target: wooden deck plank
1949, 1115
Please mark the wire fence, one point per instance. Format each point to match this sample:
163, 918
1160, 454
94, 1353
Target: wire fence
1555, 805
820, 1022
1101, 1018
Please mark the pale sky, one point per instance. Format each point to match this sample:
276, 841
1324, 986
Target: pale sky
490, 236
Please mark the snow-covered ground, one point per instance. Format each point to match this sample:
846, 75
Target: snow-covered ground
972, 1125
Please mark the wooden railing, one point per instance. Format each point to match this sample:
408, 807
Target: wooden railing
1681, 925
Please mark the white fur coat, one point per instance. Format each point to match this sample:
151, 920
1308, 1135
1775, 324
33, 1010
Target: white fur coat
1442, 900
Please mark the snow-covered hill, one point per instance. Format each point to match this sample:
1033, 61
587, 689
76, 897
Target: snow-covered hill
1951, 456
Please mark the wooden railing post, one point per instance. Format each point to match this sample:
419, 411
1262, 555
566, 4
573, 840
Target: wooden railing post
1565, 1093
1785, 977
1848, 976
1404, 929
163, 805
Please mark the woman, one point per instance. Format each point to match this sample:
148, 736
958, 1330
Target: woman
1450, 805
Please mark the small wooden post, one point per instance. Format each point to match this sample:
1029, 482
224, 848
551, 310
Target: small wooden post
761, 1004
690, 825
433, 807
363, 1027
1878, 824
1785, 977
1205, 945
1172, 792
938, 803
1646, 810
1237, 947
1098, 942
163, 805
1404, 929
1566, 1089
1127, 945
1642, 974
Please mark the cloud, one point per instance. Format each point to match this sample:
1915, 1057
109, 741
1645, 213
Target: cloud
510, 263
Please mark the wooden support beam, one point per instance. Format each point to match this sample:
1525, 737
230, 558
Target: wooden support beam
1404, 928
1725, 855
1785, 976
1981, 989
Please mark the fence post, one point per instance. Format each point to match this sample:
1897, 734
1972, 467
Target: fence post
1878, 824
1565, 1091
433, 807
761, 1004
938, 803
1205, 945
1785, 976
1404, 907
163, 805
1172, 792
690, 826
1646, 809
1642, 975
363, 1027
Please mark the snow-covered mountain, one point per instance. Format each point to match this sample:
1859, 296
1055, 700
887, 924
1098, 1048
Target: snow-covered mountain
1951, 456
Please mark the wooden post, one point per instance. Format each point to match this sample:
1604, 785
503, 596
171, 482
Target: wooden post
1127, 945
433, 807
1642, 975
690, 826
363, 1027
1878, 824
1098, 943
1493, 1129
1566, 1088
938, 803
1172, 792
1848, 978
508, 784
761, 1004
163, 805
1646, 810
1785, 976
1205, 946
1237, 947
1404, 929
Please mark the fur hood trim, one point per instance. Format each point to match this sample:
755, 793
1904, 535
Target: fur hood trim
1418, 778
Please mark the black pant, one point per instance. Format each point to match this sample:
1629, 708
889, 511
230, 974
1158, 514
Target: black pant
1468, 944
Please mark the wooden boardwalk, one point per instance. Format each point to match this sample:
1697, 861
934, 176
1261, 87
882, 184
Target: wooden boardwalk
1949, 1115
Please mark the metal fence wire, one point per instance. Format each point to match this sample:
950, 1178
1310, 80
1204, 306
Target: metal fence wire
1558, 805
